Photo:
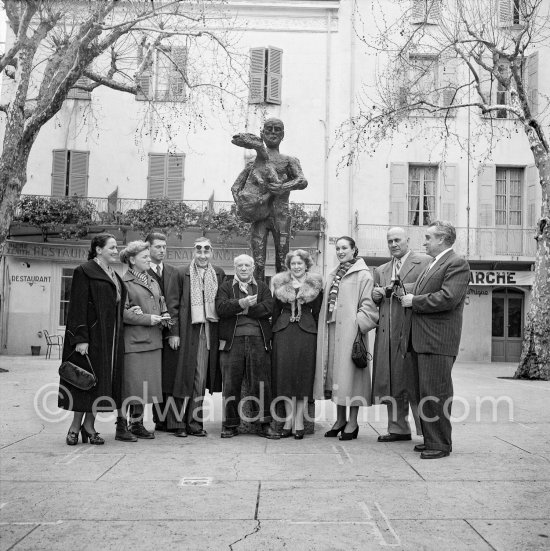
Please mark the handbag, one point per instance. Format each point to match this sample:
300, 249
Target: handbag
76, 376
359, 354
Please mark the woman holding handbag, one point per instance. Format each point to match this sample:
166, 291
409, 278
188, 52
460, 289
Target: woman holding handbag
347, 309
144, 317
93, 339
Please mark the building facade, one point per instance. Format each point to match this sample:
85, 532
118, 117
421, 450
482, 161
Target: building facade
309, 67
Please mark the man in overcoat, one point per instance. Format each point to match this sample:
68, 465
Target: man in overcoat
165, 275
436, 305
192, 304
392, 379
245, 306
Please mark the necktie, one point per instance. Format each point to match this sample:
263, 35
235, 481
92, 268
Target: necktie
397, 266
159, 270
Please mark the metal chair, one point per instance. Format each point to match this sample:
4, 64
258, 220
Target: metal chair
51, 341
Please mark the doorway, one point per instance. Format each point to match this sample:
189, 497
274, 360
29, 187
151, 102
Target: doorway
507, 325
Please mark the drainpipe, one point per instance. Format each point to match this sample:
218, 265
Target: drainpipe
326, 125
468, 185
351, 228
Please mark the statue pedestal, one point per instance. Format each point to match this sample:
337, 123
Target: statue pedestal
250, 411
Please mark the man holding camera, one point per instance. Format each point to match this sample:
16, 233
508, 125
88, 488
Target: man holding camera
392, 380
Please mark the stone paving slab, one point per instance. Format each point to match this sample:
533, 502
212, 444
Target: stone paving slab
197, 499
512, 535
405, 500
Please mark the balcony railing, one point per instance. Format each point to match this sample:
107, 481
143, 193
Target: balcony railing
114, 211
474, 243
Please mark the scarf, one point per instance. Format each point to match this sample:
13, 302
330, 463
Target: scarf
335, 285
203, 294
142, 276
243, 285
111, 273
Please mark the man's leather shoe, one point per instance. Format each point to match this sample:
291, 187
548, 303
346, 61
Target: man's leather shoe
433, 454
229, 432
267, 432
392, 437
420, 448
196, 432
181, 433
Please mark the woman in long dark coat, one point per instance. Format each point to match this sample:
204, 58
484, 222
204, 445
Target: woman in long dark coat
298, 297
94, 327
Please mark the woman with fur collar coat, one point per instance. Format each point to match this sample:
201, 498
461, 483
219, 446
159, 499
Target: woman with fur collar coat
298, 295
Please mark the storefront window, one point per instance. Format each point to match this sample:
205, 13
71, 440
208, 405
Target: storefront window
66, 280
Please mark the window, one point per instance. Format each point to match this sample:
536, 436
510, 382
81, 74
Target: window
66, 280
70, 172
512, 12
426, 11
508, 200
422, 75
165, 78
77, 93
265, 77
422, 195
166, 176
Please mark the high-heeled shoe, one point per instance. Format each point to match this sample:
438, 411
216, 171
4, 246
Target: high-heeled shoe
350, 435
332, 433
286, 433
299, 434
72, 438
92, 438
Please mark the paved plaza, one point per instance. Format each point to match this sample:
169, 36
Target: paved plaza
249, 493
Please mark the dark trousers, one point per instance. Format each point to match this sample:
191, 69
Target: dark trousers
435, 397
247, 360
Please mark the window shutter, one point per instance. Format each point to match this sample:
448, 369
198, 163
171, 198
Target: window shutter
534, 195
112, 201
533, 83
59, 172
156, 177
178, 73
434, 11
486, 178
418, 11
398, 194
257, 75
143, 81
77, 93
274, 74
78, 173
175, 178
487, 82
448, 189
505, 13
448, 81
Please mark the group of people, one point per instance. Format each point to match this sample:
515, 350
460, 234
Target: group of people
164, 335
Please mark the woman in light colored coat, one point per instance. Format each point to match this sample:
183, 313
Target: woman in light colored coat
347, 307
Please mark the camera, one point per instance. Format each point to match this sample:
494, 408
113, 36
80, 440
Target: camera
394, 286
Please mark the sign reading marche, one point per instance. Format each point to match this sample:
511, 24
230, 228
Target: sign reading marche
501, 277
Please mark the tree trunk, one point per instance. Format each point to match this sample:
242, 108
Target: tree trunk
535, 355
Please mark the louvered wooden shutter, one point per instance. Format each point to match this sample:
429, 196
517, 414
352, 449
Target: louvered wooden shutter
78, 173
274, 74
487, 82
532, 82
398, 194
505, 13
77, 93
143, 81
175, 178
59, 172
433, 8
534, 195
448, 81
177, 76
257, 75
418, 11
448, 189
486, 181
156, 177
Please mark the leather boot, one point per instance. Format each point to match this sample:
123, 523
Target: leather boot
122, 432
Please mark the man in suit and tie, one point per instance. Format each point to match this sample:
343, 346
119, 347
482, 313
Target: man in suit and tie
392, 380
436, 304
164, 274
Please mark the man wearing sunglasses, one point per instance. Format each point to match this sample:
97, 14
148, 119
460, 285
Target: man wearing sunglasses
192, 303
291, 177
